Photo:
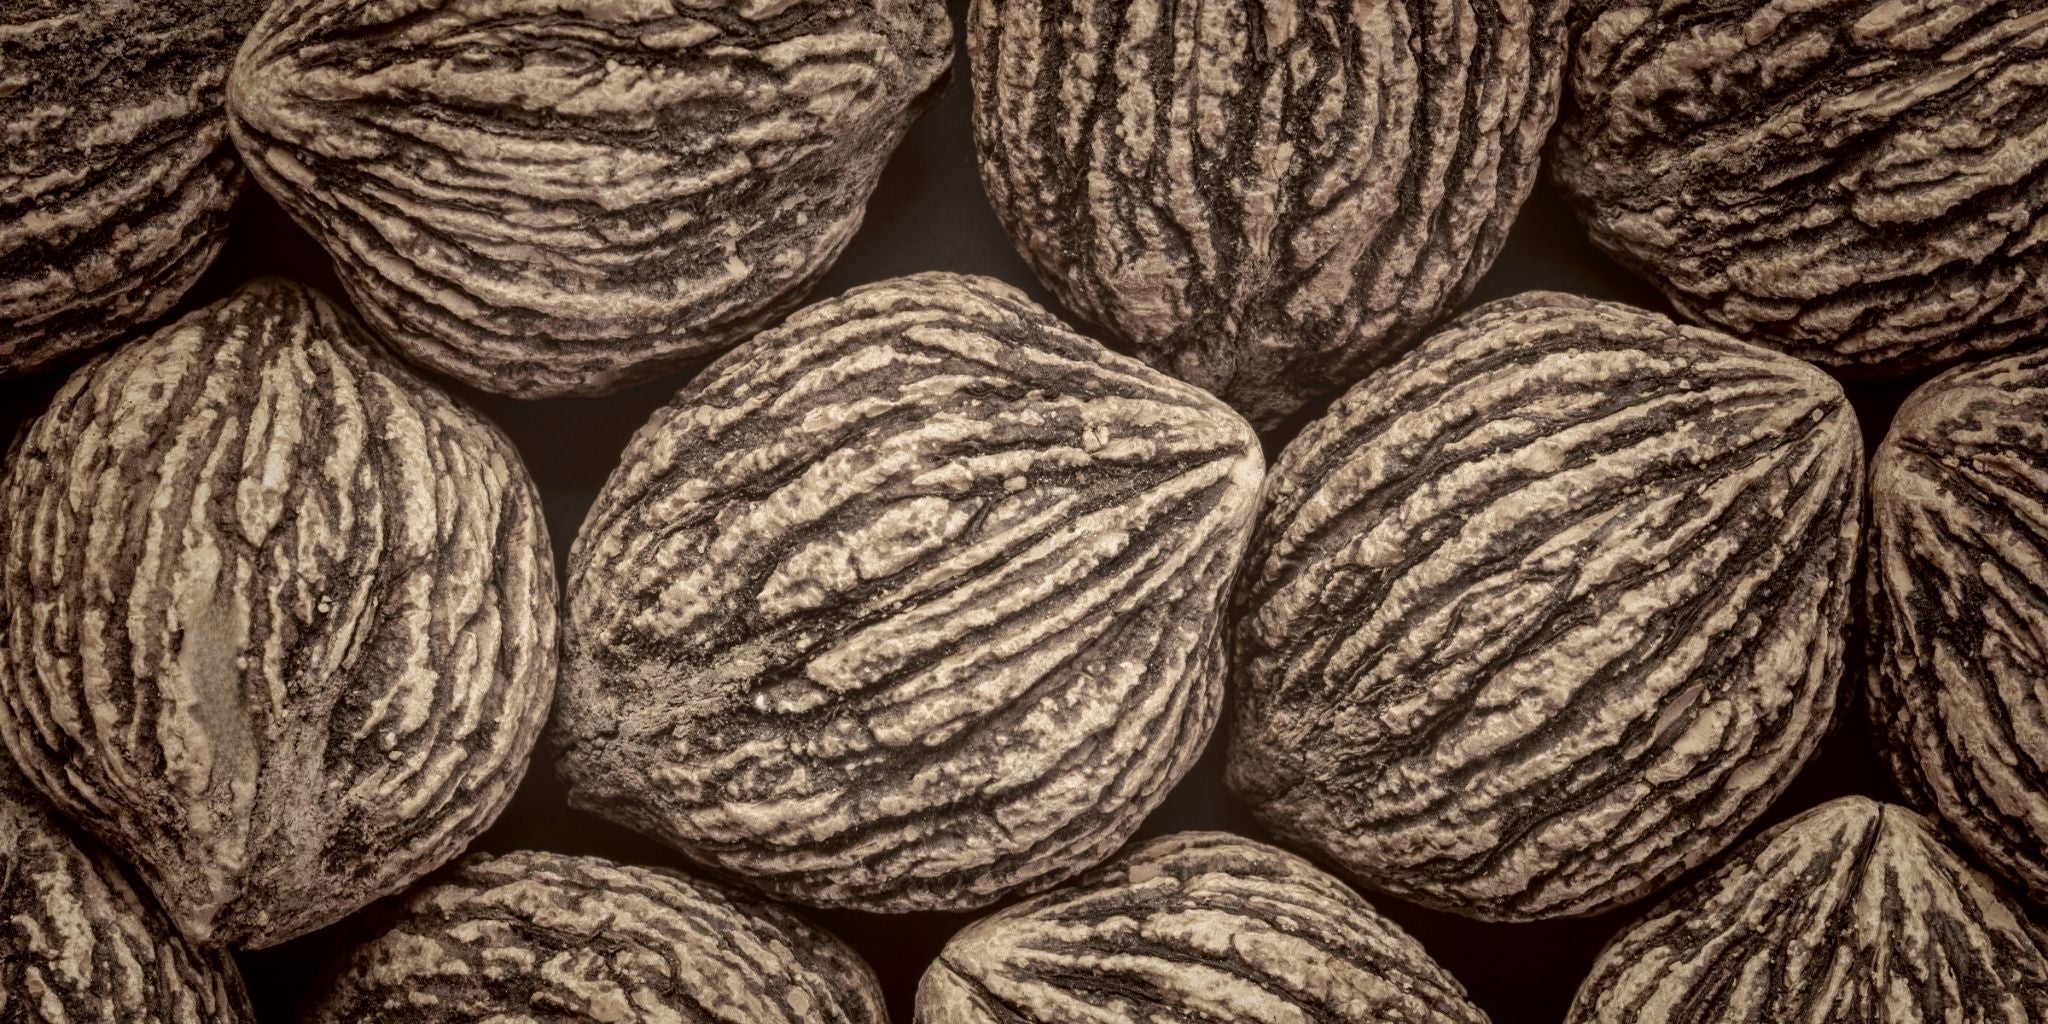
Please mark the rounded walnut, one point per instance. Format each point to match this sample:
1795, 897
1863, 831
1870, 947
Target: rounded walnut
1267, 200
545, 938
1549, 611
1196, 928
1958, 613
910, 603
277, 619
115, 171
1853, 911
564, 197
81, 943
1861, 183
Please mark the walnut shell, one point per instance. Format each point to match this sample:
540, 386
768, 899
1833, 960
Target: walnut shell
115, 171
277, 619
1853, 911
543, 937
1196, 927
1267, 201
543, 198
910, 603
1861, 183
81, 943
1958, 559
1549, 611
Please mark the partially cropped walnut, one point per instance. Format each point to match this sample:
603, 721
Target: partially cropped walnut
277, 619
1853, 911
549, 198
81, 943
1861, 183
1202, 928
1268, 200
115, 170
544, 938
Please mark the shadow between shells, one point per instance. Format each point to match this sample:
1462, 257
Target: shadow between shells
814, 510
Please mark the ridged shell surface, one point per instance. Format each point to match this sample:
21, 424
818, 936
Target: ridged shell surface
910, 603
115, 170
81, 943
277, 619
1853, 911
545, 938
1549, 611
1266, 199
564, 197
1195, 928
1861, 183
1958, 592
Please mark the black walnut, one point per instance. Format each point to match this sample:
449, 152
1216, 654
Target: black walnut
910, 603
544, 198
277, 618
1550, 610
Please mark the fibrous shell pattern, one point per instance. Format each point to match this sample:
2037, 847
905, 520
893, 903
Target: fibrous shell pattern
1958, 613
82, 943
1196, 928
1549, 611
277, 619
1862, 183
1851, 911
910, 603
553, 939
1266, 199
115, 171
550, 197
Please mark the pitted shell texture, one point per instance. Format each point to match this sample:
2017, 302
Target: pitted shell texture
1195, 928
82, 943
115, 170
1853, 911
1958, 610
910, 603
552, 939
1549, 611
1268, 200
277, 619
1861, 183
564, 197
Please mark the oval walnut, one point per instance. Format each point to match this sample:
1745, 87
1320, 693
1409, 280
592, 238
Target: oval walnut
277, 619
910, 603
1861, 183
1267, 200
1853, 911
81, 943
1958, 616
551, 939
564, 197
1196, 928
1549, 611
115, 171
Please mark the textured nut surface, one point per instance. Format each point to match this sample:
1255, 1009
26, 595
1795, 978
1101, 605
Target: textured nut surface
1853, 911
115, 171
1862, 183
1548, 611
1192, 928
277, 619
81, 943
549, 197
1267, 200
1958, 610
543, 937
910, 603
